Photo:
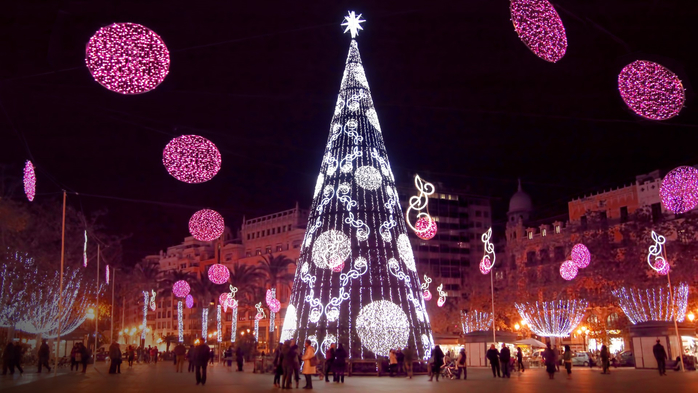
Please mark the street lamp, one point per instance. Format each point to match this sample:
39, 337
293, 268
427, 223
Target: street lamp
690, 316
90, 313
517, 327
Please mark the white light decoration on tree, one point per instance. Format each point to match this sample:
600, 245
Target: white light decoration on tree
204, 323
258, 317
181, 289
425, 288
180, 321
84, 251
29, 180
425, 226
442, 296
568, 270
488, 261
353, 24
207, 225
655, 256
234, 325
355, 251
218, 274
653, 304
475, 321
191, 159
318, 185
581, 256
153, 305
381, 326
127, 58
289, 327
219, 334
145, 314
189, 301
552, 319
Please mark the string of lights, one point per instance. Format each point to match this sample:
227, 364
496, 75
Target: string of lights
145, 314
204, 323
552, 319
180, 322
475, 321
653, 304
219, 334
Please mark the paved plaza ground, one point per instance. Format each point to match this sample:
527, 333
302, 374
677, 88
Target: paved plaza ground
151, 378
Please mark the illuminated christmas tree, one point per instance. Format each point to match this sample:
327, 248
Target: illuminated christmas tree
356, 282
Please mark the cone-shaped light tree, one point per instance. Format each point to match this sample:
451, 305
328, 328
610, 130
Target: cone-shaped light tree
356, 281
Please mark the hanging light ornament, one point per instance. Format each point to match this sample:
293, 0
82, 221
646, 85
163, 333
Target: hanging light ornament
206, 225
84, 251
153, 305
260, 315
653, 304
181, 289
127, 58
655, 257
29, 180
539, 27
226, 300
552, 319
272, 301
107, 275
442, 296
425, 227
581, 255
192, 159
650, 90
488, 260
425, 288
679, 191
568, 270
189, 301
218, 274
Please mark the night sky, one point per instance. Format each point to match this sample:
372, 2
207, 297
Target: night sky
457, 93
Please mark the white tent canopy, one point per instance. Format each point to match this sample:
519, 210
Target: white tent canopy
531, 342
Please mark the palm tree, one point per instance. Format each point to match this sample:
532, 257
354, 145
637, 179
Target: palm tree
207, 294
167, 280
246, 279
146, 278
276, 273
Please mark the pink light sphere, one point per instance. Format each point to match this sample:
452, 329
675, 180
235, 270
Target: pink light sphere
191, 159
426, 228
581, 256
181, 288
259, 316
427, 295
539, 27
274, 305
441, 301
206, 225
568, 270
679, 191
127, 58
650, 90
485, 265
29, 179
662, 267
218, 274
226, 300
189, 301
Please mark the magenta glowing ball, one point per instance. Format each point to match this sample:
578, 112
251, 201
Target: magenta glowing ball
29, 180
218, 274
259, 317
192, 159
581, 255
189, 301
485, 265
337, 267
650, 90
127, 58
679, 191
427, 295
226, 300
441, 301
426, 228
540, 28
662, 267
206, 225
181, 288
568, 270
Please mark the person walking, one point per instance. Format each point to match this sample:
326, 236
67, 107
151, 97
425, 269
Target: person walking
309, 364
191, 354
44, 353
493, 357
605, 357
180, 352
550, 361
8, 359
519, 359
659, 354
329, 363
114, 355
409, 361
212, 355
139, 352
340, 364
460, 364
400, 361
239, 357
505, 361
290, 362
438, 362
567, 358
130, 355
154, 354
201, 356
392, 362
278, 367
73, 362
19, 352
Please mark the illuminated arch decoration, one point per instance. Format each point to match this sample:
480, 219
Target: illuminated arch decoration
127, 58
207, 225
653, 304
356, 250
552, 319
679, 191
425, 288
489, 259
29, 180
425, 226
539, 27
651, 90
191, 159
655, 256
218, 274
475, 321
442, 296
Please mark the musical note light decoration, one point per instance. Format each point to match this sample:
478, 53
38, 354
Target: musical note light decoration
489, 259
258, 317
153, 305
425, 227
655, 257
425, 288
442, 295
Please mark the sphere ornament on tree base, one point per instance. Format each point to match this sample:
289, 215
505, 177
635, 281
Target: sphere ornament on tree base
382, 326
191, 159
679, 190
206, 225
218, 274
650, 90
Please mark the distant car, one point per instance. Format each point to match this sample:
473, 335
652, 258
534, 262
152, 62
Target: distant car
582, 359
626, 359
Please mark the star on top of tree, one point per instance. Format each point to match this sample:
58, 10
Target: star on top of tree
353, 23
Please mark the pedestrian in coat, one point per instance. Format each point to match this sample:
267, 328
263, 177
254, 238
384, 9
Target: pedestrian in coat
340, 363
8, 359
191, 355
85, 357
392, 362
19, 352
115, 358
73, 362
239, 357
45, 353
180, 352
567, 358
605, 360
201, 358
438, 356
493, 358
409, 360
461, 364
505, 361
291, 364
278, 367
519, 359
131, 354
400, 361
550, 361
659, 354
309, 364
329, 364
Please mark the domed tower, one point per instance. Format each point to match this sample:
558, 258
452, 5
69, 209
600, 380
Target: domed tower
520, 207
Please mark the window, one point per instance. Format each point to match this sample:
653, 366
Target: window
544, 256
478, 213
530, 235
559, 254
512, 262
478, 225
267, 232
531, 258
267, 250
279, 247
557, 229
183, 266
248, 236
248, 253
273, 231
603, 216
544, 232
583, 219
159, 314
656, 212
258, 251
289, 227
624, 214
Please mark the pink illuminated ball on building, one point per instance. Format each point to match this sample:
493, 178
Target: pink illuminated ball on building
189, 301
127, 58
181, 288
679, 191
568, 270
218, 274
427, 295
192, 159
581, 256
540, 28
485, 265
426, 228
29, 181
206, 225
650, 90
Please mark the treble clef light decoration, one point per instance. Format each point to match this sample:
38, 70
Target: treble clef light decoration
660, 265
153, 306
425, 288
488, 260
442, 296
260, 315
425, 226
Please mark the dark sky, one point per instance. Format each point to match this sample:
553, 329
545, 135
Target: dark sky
457, 94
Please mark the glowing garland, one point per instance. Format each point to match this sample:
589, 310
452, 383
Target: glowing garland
552, 319
127, 58
679, 190
653, 304
153, 305
425, 288
425, 227
442, 296
84, 251
145, 314
191, 159
180, 322
29, 180
204, 323
219, 334
568, 270
207, 225
659, 264
382, 325
489, 259
218, 274
651, 90
475, 321
539, 27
